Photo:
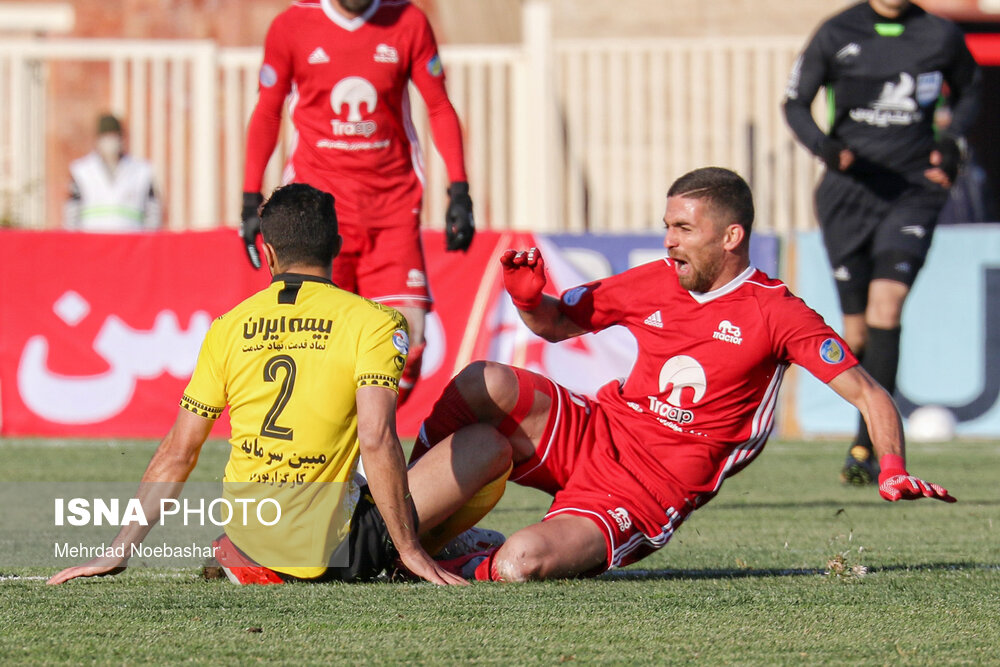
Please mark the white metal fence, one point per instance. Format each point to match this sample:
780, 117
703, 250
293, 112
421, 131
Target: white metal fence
560, 136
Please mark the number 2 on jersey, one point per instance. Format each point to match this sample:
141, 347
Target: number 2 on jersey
270, 427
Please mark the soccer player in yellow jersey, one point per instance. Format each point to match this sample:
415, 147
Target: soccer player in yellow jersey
310, 373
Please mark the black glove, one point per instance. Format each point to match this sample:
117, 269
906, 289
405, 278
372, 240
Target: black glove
829, 152
459, 226
951, 155
250, 225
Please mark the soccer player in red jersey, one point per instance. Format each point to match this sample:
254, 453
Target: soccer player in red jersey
715, 336
344, 68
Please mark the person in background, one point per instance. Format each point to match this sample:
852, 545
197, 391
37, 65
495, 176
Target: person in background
347, 65
885, 65
111, 191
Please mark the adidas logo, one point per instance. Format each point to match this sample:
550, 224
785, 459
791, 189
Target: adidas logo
318, 56
842, 274
655, 320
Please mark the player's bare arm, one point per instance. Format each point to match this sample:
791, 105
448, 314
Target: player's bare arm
164, 478
524, 279
385, 467
886, 430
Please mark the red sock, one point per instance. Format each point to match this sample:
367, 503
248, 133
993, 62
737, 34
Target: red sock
485, 571
450, 413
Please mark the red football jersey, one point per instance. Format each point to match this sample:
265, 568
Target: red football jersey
699, 402
349, 103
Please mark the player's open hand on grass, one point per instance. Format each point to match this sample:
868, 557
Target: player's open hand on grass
894, 483
418, 562
459, 225
250, 225
101, 566
524, 277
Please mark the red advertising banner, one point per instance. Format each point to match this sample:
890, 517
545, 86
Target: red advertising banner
100, 332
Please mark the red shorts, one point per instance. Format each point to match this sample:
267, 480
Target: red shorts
384, 264
577, 463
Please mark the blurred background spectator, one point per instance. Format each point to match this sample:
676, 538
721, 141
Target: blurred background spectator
111, 191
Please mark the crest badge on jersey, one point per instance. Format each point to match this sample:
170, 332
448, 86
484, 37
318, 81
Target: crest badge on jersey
573, 296
268, 77
401, 341
434, 66
929, 87
831, 351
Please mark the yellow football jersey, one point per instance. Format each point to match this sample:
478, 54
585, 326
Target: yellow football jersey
287, 361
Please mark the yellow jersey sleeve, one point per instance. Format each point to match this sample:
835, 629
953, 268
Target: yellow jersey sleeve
205, 394
382, 351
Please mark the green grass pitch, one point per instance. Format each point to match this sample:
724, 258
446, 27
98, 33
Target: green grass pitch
744, 581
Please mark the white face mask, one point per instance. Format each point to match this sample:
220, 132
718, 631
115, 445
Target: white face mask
109, 147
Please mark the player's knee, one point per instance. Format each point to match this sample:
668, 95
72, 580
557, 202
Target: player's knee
522, 558
885, 313
488, 388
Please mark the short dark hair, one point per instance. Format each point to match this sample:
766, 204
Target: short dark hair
723, 188
300, 222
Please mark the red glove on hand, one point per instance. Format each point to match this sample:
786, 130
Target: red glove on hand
894, 483
524, 277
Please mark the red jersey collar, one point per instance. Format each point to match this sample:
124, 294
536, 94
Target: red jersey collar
731, 286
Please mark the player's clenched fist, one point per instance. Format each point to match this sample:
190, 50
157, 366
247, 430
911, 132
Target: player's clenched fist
250, 225
524, 277
894, 483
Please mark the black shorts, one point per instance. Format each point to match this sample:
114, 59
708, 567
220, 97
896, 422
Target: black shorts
368, 550
872, 230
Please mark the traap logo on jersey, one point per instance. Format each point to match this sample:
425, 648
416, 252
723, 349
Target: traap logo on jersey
677, 374
353, 92
895, 105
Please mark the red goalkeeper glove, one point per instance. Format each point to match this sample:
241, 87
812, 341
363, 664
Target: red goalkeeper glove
894, 483
524, 277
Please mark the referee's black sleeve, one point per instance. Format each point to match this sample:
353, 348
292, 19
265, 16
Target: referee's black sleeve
808, 76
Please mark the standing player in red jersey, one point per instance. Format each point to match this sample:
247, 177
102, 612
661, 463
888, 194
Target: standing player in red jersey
715, 336
344, 66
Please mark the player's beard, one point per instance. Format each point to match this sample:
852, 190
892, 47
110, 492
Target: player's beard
355, 6
700, 277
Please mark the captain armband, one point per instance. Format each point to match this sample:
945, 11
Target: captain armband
378, 380
199, 408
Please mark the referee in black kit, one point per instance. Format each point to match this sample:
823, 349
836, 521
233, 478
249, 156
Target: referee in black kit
886, 65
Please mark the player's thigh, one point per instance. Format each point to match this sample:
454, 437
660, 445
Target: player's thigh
631, 520
852, 275
392, 271
902, 241
344, 271
565, 546
550, 430
848, 214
